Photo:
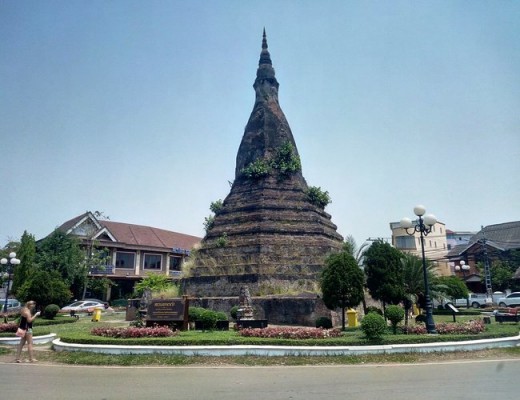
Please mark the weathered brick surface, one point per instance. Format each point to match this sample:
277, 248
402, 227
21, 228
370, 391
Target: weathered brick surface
268, 234
278, 310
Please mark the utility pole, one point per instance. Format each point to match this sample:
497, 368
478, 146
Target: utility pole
487, 270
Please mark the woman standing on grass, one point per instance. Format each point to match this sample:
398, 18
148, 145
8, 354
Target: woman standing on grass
26, 321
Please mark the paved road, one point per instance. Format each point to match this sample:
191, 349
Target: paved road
467, 380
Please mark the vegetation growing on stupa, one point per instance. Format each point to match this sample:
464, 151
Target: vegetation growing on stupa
318, 197
284, 163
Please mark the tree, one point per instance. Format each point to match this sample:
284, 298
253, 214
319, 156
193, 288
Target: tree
351, 247
384, 273
45, 287
62, 253
395, 314
154, 282
97, 258
413, 279
452, 286
27, 255
501, 275
341, 283
99, 286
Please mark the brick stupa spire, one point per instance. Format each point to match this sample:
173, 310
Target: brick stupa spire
268, 234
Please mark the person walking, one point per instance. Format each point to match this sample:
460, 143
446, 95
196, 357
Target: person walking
26, 321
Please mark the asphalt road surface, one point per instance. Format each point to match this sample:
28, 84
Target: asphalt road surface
454, 380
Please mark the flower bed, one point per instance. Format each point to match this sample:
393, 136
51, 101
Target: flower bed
9, 327
446, 328
290, 333
133, 332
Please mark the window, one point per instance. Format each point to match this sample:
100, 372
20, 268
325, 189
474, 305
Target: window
405, 242
175, 263
152, 261
125, 260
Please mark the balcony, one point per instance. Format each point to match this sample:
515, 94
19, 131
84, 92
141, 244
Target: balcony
102, 270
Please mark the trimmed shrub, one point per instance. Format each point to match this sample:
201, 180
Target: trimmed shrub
324, 322
209, 319
234, 312
374, 309
221, 316
51, 311
194, 313
395, 314
373, 326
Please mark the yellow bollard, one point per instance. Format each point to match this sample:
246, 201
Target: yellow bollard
352, 321
96, 315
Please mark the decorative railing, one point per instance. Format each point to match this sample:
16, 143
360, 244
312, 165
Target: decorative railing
102, 270
178, 250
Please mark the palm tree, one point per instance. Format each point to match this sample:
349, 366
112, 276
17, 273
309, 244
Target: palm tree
350, 246
414, 277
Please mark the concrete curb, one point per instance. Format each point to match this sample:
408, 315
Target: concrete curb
14, 341
269, 351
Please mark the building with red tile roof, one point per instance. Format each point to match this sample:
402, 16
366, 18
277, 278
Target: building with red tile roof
132, 250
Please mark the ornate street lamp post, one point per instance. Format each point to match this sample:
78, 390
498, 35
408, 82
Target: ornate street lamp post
464, 268
424, 226
11, 262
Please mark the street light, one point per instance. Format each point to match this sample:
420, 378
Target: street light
12, 261
463, 267
424, 227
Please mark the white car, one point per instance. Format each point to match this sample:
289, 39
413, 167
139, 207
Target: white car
83, 306
475, 300
12, 305
511, 300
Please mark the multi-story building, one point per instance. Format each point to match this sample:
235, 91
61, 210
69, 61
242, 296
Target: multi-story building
131, 251
435, 244
458, 238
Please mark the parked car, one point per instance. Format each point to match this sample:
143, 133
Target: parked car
83, 306
475, 300
12, 305
511, 300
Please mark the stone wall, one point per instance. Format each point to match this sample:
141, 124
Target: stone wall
278, 310
259, 285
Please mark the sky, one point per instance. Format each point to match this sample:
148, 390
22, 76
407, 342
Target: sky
136, 109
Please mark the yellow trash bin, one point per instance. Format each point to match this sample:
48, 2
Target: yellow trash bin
96, 315
415, 310
352, 321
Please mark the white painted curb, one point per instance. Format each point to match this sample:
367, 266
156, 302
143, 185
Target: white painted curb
14, 341
248, 350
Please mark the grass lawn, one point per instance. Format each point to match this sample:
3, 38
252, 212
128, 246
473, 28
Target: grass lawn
79, 332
